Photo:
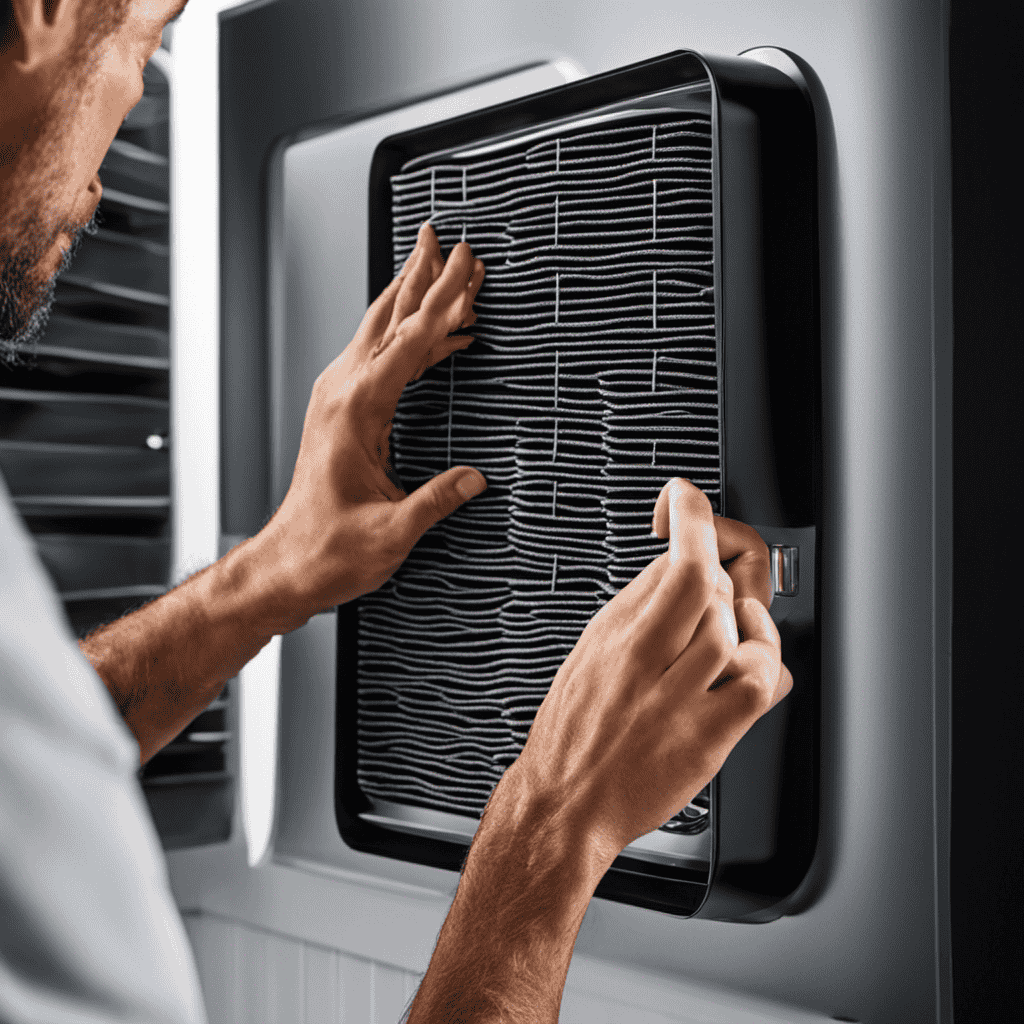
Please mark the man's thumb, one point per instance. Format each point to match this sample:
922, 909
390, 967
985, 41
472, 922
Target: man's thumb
440, 497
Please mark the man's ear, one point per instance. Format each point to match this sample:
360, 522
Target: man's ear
39, 31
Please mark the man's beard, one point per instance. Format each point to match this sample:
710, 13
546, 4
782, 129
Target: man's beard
24, 303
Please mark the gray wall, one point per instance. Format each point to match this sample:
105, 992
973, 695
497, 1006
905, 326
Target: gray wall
873, 947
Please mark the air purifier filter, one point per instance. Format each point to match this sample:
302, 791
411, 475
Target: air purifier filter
599, 371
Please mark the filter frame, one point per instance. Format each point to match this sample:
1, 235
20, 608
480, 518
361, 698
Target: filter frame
764, 153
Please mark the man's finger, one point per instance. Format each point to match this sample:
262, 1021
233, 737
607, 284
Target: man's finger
437, 498
436, 260
463, 315
709, 652
381, 310
378, 315
783, 686
740, 548
753, 678
690, 577
663, 644
441, 351
449, 290
423, 339
419, 276
746, 559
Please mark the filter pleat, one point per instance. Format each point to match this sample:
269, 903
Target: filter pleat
598, 245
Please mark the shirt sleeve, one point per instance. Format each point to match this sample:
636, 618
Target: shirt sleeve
89, 931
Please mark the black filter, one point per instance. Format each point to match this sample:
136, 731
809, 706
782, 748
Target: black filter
649, 311
593, 379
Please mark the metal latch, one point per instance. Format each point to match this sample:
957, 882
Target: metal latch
785, 570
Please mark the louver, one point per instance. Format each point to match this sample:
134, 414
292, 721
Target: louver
649, 311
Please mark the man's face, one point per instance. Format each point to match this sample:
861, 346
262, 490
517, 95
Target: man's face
61, 111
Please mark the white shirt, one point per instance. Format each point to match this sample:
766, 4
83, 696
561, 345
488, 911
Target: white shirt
89, 931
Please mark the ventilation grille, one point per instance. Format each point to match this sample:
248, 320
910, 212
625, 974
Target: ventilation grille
85, 432
592, 380
85, 435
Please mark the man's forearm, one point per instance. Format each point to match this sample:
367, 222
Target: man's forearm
505, 947
166, 662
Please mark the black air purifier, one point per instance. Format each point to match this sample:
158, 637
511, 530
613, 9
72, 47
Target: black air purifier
649, 311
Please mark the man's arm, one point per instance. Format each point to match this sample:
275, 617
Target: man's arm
504, 950
664, 681
164, 663
341, 531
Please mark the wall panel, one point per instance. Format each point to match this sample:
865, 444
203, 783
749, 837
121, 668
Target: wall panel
253, 976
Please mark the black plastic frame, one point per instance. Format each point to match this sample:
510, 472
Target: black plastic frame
767, 323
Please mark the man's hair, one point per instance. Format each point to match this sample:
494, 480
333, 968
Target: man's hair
99, 19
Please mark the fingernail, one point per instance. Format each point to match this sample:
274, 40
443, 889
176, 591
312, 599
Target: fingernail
470, 485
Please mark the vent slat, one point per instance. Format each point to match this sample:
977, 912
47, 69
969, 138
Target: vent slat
85, 505
593, 379
124, 197
49, 469
85, 563
129, 153
123, 265
91, 340
129, 592
84, 301
93, 419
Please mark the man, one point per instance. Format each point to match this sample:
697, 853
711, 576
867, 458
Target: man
664, 681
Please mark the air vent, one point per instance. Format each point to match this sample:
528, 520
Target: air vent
85, 437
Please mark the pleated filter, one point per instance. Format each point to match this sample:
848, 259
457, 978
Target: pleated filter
593, 379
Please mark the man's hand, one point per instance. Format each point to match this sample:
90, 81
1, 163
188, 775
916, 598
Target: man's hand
344, 527
341, 531
664, 681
